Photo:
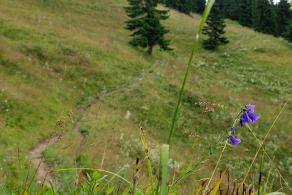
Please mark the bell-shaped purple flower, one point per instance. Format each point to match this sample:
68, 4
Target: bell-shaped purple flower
250, 107
248, 116
253, 117
234, 141
244, 119
232, 130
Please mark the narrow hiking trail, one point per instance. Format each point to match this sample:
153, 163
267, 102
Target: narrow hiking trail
43, 174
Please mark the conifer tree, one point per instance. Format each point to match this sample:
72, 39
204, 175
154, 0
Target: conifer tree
283, 15
200, 6
264, 17
215, 29
245, 12
288, 33
230, 9
145, 23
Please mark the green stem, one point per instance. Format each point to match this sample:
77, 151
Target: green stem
175, 115
207, 186
207, 10
261, 144
91, 169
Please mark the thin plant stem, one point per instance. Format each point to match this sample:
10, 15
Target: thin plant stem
261, 144
175, 115
149, 164
209, 182
207, 10
263, 149
92, 169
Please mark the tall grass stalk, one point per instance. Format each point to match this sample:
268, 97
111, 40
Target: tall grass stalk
92, 169
218, 161
149, 164
195, 46
261, 144
271, 160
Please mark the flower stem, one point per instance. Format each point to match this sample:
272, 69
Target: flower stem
261, 144
208, 184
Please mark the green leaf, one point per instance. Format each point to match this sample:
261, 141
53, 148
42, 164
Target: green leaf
110, 190
276, 193
96, 175
164, 168
216, 187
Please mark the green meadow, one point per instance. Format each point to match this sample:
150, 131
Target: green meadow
64, 61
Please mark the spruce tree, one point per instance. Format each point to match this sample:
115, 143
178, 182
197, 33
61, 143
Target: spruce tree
288, 33
230, 9
264, 17
215, 29
245, 12
200, 6
145, 23
282, 16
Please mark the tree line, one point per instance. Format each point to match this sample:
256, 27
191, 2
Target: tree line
262, 15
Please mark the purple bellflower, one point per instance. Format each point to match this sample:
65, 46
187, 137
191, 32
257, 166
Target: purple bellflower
248, 116
234, 141
232, 130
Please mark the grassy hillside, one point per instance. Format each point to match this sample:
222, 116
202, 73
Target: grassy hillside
56, 57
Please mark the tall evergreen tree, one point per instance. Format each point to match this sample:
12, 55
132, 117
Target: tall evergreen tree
288, 33
245, 12
145, 23
264, 17
186, 6
282, 16
200, 6
230, 9
215, 28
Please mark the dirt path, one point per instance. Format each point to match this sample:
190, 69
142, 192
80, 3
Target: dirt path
43, 174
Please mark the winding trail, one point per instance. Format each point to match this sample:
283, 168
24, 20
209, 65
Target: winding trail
43, 174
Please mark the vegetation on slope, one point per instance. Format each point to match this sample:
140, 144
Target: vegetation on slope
58, 56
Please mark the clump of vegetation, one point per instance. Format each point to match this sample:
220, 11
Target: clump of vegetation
128, 83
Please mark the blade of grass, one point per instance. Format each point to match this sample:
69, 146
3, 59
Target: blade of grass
164, 168
216, 187
260, 177
149, 164
195, 46
92, 169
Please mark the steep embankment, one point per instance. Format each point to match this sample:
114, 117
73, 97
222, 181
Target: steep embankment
56, 56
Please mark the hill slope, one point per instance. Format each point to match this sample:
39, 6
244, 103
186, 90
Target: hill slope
56, 57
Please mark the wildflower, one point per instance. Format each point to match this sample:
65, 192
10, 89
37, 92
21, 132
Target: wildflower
248, 116
244, 119
253, 117
250, 107
232, 130
234, 141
